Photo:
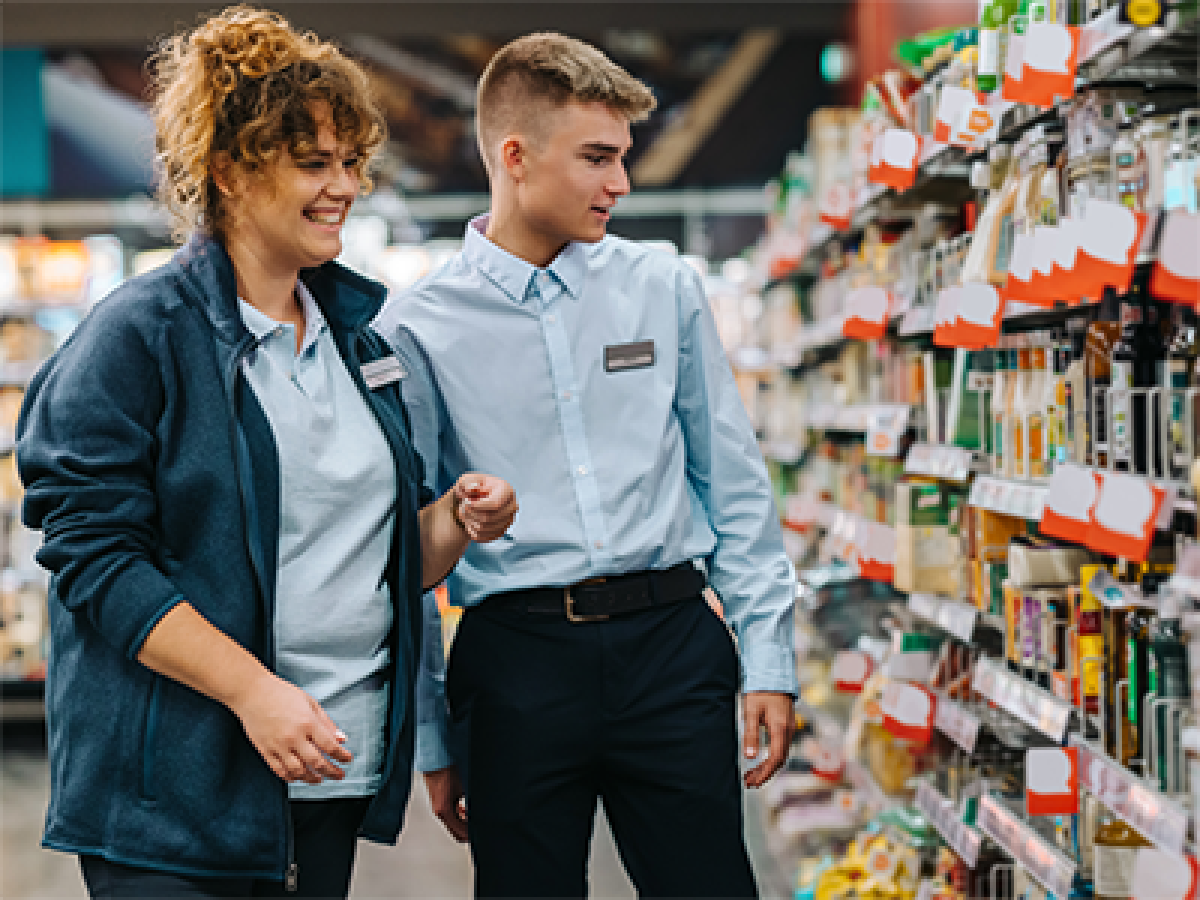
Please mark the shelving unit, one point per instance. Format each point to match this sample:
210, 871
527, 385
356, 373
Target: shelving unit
997, 703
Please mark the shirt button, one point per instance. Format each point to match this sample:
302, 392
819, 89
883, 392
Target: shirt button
566, 395
599, 545
582, 470
550, 318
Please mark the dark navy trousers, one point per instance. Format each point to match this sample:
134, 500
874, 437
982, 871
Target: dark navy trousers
637, 712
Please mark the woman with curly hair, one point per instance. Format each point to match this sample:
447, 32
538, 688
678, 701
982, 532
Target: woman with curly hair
234, 517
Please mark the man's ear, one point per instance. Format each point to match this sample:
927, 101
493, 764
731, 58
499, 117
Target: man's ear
512, 156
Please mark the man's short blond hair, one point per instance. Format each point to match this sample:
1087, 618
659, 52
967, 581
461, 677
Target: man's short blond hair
535, 74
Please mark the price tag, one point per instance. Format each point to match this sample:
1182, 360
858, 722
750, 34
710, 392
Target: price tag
918, 320
1176, 276
1124, 516
925, 605
958, 619
957, 724
1158, 875
851, 669
866, 313
894, 159
1051, 781
837, 205
1052, 870
1068, 504
908, 711
1151, 814
940, 812
885, 430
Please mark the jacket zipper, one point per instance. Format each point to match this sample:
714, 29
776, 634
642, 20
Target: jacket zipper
291, 871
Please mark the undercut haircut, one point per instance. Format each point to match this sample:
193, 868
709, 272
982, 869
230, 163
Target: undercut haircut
532, 76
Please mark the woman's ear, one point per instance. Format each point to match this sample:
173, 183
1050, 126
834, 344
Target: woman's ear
221, 171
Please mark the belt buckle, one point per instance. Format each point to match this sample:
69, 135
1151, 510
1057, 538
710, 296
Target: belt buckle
569, 604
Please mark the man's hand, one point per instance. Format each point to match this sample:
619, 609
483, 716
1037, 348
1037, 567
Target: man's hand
446, 796
775, 711
486, 506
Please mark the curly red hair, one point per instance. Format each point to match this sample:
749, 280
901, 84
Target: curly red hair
244, 83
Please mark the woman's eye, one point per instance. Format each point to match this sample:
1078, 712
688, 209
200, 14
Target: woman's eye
596, 160
351, 163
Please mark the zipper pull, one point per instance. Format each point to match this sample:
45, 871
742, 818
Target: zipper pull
291, 879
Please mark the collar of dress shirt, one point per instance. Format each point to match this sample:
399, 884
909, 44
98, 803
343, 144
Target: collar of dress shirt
512, 274
261, 325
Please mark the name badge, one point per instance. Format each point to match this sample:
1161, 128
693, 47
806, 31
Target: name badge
381, 372
623, 357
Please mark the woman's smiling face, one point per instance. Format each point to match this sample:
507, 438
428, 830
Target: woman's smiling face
290, 215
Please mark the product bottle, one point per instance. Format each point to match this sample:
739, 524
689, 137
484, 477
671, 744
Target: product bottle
1102, 334
1175, 379
1138, 622
1054, 401
1091, 642
1021, 411
994, 15
1168, 673
1075, 393
1035, 404
1115, 853
1000, 388
1137, 358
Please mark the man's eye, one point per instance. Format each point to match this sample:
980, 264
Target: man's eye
351, 163
596, 160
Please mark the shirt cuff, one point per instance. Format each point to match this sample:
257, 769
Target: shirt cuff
432, 752
770, 668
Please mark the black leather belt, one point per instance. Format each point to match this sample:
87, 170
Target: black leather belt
599, 599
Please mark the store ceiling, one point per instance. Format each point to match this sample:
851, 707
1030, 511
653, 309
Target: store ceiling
735, 81
70, 23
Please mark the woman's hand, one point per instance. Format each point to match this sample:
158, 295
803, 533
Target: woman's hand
484, 505
290, 731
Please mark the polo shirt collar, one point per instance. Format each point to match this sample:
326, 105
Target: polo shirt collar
261, 325
511, 273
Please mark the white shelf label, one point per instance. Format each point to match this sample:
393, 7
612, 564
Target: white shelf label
1011, 498
1022, 699
958, 835
957, 724
1051, 869
1154, 816
939, 461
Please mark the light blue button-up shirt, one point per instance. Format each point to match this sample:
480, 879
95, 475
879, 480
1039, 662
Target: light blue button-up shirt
640, 467
337, 511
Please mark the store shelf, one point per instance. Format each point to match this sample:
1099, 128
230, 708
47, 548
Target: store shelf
1153, 815
1051, 869
1022, 699
1009, 496
957, 723
958, 835
939, 461
956, 618
22, 700
858, 418
864, 782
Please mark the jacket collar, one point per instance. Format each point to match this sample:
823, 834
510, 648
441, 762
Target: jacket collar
346, 299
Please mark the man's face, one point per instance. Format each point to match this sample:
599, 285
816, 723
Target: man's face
574, 175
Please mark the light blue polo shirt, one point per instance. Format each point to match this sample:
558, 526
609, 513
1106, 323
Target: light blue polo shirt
337, 511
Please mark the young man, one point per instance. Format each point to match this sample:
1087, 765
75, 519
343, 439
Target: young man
586, 370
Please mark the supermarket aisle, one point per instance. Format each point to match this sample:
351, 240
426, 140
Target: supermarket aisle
425, 864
